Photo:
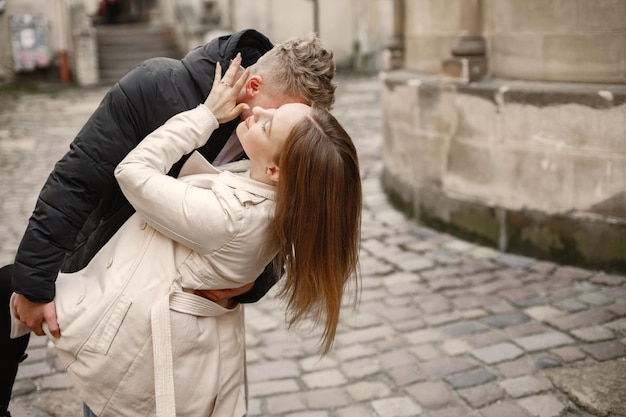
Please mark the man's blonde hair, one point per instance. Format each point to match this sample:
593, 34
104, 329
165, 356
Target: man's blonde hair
300, 67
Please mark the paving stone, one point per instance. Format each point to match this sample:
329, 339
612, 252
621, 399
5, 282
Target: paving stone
544, 312
544, 341
365, 335
360, 368
596, 299
324, 379
618, 326
263, 389
569, 353
455, 347
527, 329
610, 280
327, 398
542, 405
464, 328
474, 313
426, 352
525, 386
519, 367
489, 338
354, 411
309, 414
571, 273
280, 404
409, 325
593, 334
582, 319
570, 305
514, 261
432, 304
470, 301
254, 407
454, 411
497, 353
519, 293
315, 363
396, 407
353, 352
272, 370
618, 309
547, 361
60, 381
424, 336
501, 321
481, 395
395, 359
34, 370
532, 301
438, 368
605, 350
504, 409
413, 263
365, 391
405, 375
432, 394
494, 286
470, 378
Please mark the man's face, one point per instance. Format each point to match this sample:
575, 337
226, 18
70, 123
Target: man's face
256, 95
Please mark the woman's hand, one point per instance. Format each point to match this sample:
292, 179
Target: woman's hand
222, 100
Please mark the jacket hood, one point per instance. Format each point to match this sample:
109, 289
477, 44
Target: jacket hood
200, 61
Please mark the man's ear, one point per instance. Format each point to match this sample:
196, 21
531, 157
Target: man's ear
272, 173
253, 85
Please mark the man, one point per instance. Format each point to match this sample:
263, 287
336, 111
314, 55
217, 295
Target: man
81, 206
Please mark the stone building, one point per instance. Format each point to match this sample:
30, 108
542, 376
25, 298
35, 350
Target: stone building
504, 120
505, 123
66, 30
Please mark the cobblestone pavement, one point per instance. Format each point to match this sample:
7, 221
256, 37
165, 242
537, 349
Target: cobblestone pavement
444, 328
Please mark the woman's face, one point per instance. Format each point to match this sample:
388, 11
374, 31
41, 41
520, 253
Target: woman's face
263, 134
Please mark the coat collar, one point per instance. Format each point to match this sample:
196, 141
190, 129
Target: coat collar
233, 175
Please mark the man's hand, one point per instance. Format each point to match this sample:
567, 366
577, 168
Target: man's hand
218, 296
34, 314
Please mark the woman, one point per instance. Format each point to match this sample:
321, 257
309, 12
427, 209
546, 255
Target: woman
136, 336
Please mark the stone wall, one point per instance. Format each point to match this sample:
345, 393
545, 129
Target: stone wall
518, 157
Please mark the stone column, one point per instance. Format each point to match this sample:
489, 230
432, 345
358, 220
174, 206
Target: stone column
394, 54
85, 62
468, 61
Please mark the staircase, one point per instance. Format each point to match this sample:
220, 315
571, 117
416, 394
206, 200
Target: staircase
121, 46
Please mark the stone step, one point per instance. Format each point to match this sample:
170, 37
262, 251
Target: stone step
122, 46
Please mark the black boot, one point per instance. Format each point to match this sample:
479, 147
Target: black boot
4, 412
13, 350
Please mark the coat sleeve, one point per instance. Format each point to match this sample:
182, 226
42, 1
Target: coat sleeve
193, 216
78, 183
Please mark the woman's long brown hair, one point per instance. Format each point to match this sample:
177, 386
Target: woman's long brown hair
317, 220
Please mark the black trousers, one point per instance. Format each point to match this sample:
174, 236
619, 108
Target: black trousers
11, 350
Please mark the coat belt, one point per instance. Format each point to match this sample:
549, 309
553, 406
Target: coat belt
182, 302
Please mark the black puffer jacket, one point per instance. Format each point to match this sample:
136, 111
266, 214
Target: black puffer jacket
81, 206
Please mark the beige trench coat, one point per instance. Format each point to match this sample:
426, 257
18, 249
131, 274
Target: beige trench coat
129, 323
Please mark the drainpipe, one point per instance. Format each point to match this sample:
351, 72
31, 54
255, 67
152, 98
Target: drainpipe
316, 17
394, 54
64, 69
